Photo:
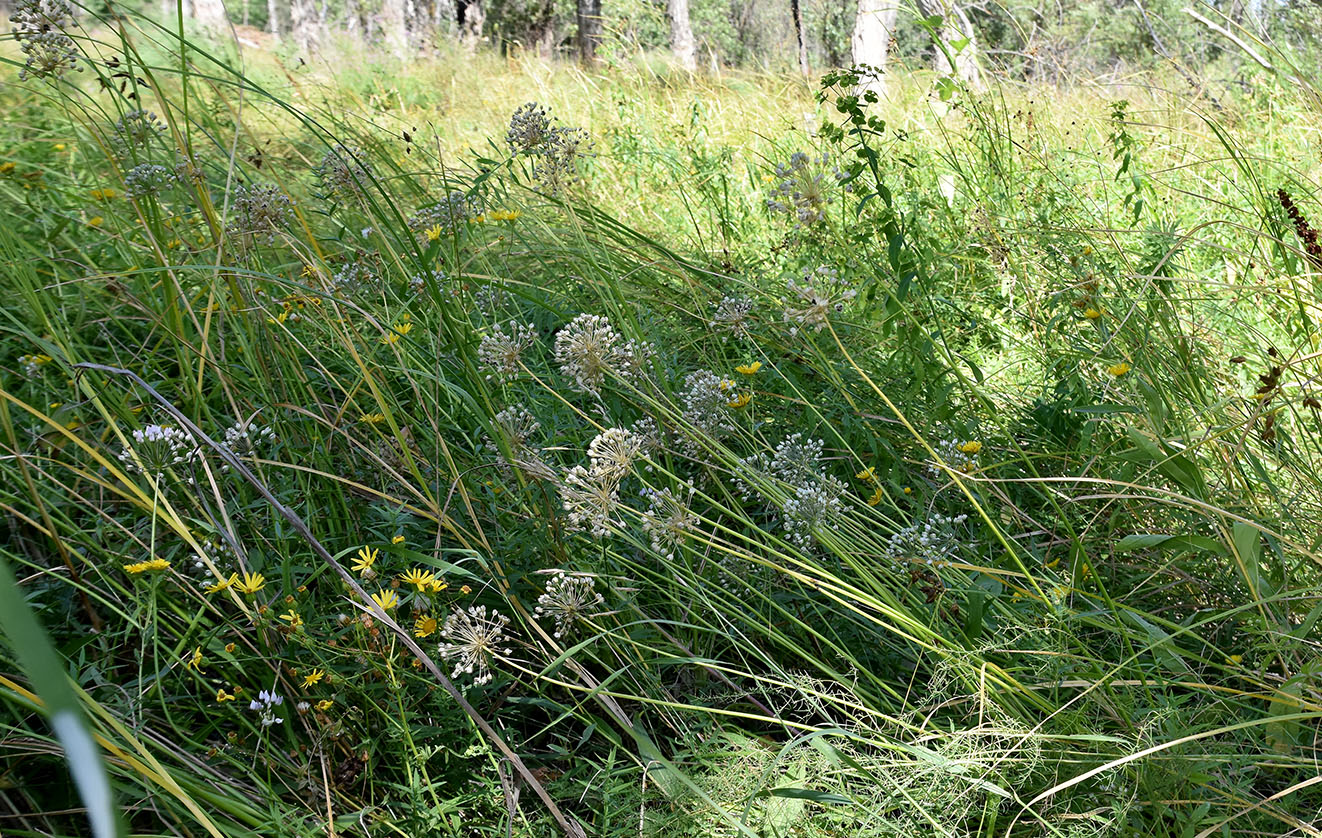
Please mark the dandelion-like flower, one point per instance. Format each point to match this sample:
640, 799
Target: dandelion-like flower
568, 600
418, 578
612, 453
818, 295
386, 599
501, 350
425, 626
590, 500
40, 27
366, 558
474, 638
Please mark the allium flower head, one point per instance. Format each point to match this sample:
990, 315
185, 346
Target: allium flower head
588, 347
343, 172
135, 130
805, 188
612, 453
500, 351
475, 636
816, 297
156, 448
733, 317
40, 27
668, 521
568, 600
149, 179
449, 215
260, 213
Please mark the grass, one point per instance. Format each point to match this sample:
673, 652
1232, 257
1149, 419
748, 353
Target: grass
974, 495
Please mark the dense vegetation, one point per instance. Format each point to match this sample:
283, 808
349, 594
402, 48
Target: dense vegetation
478, 446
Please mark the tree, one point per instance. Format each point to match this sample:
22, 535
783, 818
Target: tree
955, 38
796, 12
393, 29
588, 15
873, 28
682, 45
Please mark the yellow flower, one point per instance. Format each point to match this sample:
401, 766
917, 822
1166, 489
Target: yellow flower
222, 696
313, 677
1119, 369
366, 558
424, 626
1092, 313
142, 567
971, 447
505, 215
465, 590
229, 647
908, 491
868, 474
292, 618
6, 168
749, 369
251, 583
399, 539
59, 146
437, 585
433, 233
194, 661
104, 194
372, 418
223, 584
1235, 658
876, 497
740, 401
324, 704
418, 578
95, 221
386, 599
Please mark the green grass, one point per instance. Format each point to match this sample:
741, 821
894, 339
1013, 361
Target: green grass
1108, 629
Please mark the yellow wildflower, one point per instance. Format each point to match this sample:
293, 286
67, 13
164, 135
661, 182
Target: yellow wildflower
104, 194
868, 474
1092, 313
324, 704
433, 233
399, 539
229, 647
386, 599
1235, 658
313, 677
465, 590
876, 497
372, 418
971, 447
908, 491
740, 401
749, 369
6, 168
1119, 369
424, 626
223, 584
222, 696
251, 583
437, 585
194, 661
95, 221
366, 558
294, 620
418, 578
59, 146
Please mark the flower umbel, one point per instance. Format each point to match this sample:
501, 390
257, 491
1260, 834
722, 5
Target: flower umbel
474, 637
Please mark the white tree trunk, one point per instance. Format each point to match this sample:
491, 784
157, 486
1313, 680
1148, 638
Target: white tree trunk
956, 38
273, 17
208, 14
394, 30
873, 27
303, 23
682, 44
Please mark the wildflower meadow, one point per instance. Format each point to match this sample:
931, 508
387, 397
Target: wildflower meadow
478, 442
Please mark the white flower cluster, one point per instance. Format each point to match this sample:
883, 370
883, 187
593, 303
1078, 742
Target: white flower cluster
707, 399
343, 172
816, 498
475, 636
449, 214
960, 456
931, 541
588, 347
501, 350
39, 27
353, 275
261, 212
244, 438
517, 427
136, 129
568, 600
668, 521
156, 448
265, 703
804, 188
733, 316
817, 296
555, 149
149, 179
591, 495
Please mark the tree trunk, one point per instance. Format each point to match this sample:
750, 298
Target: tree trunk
208, 14
682, 45
303, 23
956, 39
471, 21
873, 28
588, 15
394, 31
796, 12
273, 17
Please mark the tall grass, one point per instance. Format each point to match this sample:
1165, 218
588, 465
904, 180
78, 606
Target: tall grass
1002, 524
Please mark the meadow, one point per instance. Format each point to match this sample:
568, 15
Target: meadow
485, 446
